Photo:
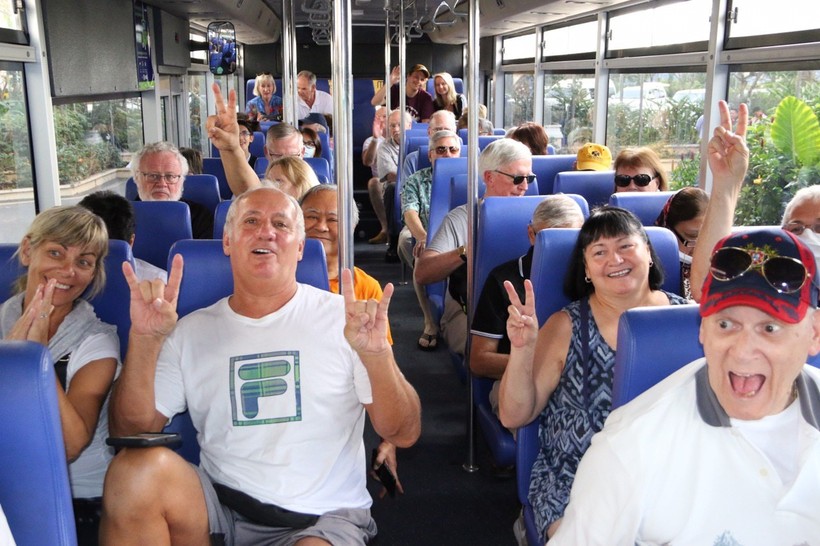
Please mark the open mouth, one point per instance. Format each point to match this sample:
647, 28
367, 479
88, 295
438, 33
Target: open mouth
262, 251
746, 384
621, 273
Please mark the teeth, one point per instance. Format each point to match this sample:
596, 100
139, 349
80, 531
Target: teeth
62, 286
261, 251
623, 273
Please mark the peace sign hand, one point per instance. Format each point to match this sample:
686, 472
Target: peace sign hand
727, 151
223, 130
365, 320
153, 303
522, 324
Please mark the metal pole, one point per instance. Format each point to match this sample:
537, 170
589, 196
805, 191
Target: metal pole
289, 64
472, 206
387, 60
343, 127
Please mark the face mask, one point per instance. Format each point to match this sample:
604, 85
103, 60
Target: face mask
812, 241
309, 151
684, 258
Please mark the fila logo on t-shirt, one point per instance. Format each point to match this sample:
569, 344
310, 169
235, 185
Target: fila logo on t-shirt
265, 388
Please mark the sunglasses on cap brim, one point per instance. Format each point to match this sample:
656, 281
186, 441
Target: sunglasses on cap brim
783, 273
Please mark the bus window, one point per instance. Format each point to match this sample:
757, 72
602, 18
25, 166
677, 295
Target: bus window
16, 180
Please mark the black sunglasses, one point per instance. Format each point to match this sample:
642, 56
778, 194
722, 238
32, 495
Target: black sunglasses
641, 180
518, 178
798, 228
784, 274
443, 149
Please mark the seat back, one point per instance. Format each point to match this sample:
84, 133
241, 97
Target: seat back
424, 156
419, 125
645, 336
327, 151
545, 167
159, 225
595, 186
486, 140
260, 166
34, 487
10, 269
458, 83
220, 216
257, 145
551, 261
414, 142
202, 189
646, 205
111, 305
214, 166
207, 276
320, 166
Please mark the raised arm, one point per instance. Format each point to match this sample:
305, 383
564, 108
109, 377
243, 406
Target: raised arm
536, 359
223, 130
728, 161
378, 98
395, 411
153, 318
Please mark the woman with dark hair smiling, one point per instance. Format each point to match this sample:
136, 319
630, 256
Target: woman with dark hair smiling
562, 374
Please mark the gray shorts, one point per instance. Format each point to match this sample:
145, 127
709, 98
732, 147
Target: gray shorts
340, 527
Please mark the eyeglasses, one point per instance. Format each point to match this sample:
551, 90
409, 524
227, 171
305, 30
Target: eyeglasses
518, 178
244, 134
784, 274
641, 180
309, 143
154, 178
444, 149
687, 243
798, 227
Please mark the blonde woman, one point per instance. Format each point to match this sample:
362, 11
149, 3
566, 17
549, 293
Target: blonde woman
292, 175
445, 97
264, 106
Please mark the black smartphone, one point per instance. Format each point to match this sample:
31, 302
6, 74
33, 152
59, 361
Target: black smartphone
146, 439
384, 473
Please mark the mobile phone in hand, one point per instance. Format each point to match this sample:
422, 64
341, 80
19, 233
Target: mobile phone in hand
383, 473
146, 439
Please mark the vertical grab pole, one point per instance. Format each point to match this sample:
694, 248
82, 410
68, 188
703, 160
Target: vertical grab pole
387, 104
472, 209
289, 64
342, 127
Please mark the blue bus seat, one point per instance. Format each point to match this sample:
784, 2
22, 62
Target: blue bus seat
420, 126
10, 269
414, 142
486, 140
260, 166
500, 131
424, 156
646, 205
458, 83
320, 166
526, 450
220, 216
159, 225
112, 304
199, 188
545, 167
550, 149
446, 168
214, 166
595, 186
327, 151
257, 145
34, 487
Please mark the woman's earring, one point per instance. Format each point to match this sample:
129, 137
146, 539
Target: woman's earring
587, 280
651, 263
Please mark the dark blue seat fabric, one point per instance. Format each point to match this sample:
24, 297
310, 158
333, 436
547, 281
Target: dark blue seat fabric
526, 450
457, 82
219, 219
327, 152
199, 188
206, 279
257, 145
414, 142
10, 270
486, 140
112, 304
320, 166
260, 166
214, 166
34, 489
595, 186
646, 205
159, 225
545, 167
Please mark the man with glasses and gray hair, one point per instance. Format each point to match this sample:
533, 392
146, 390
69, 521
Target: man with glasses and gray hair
159, 171
505, 167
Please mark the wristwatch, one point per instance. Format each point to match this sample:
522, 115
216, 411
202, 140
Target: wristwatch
462, 253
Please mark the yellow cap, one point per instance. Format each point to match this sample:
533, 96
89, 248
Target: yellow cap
594, 157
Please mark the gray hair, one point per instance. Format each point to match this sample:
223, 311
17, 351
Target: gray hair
558, 211
158, 148
282, 131
803, 195
407, 118
335, 189
485, 126
307, 74
500, 153
440, 135
230, 218
451, 118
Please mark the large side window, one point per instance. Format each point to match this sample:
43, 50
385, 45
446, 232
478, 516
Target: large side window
12, 23
518, 98
568, 102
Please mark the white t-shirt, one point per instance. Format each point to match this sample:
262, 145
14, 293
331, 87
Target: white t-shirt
87, 472
659, 473
322, 104
277, 401
5, 533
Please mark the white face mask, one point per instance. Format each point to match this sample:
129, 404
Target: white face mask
684, 258
309, 151
812, 241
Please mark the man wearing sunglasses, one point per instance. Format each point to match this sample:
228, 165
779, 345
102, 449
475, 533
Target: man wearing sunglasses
727, 449
505, 167
415, 209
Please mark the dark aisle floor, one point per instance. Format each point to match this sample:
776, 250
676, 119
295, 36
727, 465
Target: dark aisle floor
442, 503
